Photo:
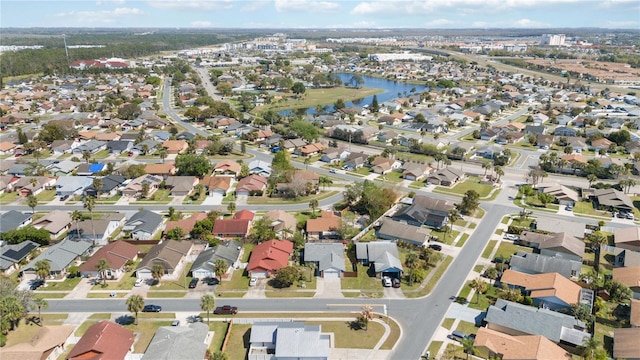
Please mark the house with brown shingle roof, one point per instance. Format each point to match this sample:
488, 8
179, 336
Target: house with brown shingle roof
599, 144
161, 169
181, 185
251, 185
551, 289
231, 228
634, 316
382, 165
117, 254
168, 253
55, 222
490, 343
185, 224
175, 146
626, 344
310, 149
629, 276
324, 227
560, 244
48, 342
283, 223
7, 148
627, 238
216, 184
103, 341
227, 167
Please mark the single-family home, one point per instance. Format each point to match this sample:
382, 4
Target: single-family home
551, 224
185, 224
179, 342
170, 254
627, 238
562, 194
143, 224
425, 210
175, 146
382, 256
7, 148
103, 228
327, 257
216, 184
448, 176
268, 257
251, 185
494, 344
283, 223
110, 185
355, 161
136, 187
325, 226
626, 344
104, 340
12, 219
89, 169
91, 146
382, 165
612, 199
227, 167
387, 136
564, 131
260, 167
116, 253
64, 167
72, 185
181, 185
204, 265
46, 343
561, 245
145, 147
415, 171
118, 147
532, 263
288, 340
56, 222
232, 228
394, 230
629, 276
11, 255
600, 144
161, 169
60, 256
310, 149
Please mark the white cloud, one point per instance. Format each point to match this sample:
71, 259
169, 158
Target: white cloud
109, 2
127, 11
415, 7
100, 17
201, 23
439, 23
198, 5
305, 5
255, 5
527, 23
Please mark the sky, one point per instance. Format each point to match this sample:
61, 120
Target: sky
434, 14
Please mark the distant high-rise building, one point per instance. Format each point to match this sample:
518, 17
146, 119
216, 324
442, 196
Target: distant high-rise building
552, 39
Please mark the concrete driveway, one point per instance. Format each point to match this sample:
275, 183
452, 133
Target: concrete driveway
258, 291
214, 199
328, 288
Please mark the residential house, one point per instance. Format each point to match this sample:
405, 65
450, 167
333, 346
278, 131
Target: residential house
551, 224
60, 256
204, 265
325, 226
292, 340
612, 199
161, 169
145, 147
170, 254
563, 120
415, 171
562, 245
175, 146
387, 136
563, 195
629, 276
394, 230
103, 229
110, 186
540, 118
185, 224
72, 185
143, 225
327, 257
578, 144
550, 290
251, 185
283, 223
626, 344
600, 144
310, 149
634, 317
382, 256
118, 147
260, 167
89, 169
7, 148
564, 131
382, 165
425, 210
235, 227
627, 258
56, 222
136, 187
535, 130
102, 341
532, 263
268, 257
544, 141
227, 167
11, 255
355, 161
627, 238
32, 185
516, 319
494, 344
91, 146
12, 219
448, 176
47, 343
216, 184
116, 253
181, 185
64, 167
59, 147
179, 342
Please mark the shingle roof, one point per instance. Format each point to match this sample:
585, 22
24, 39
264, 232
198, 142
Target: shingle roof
61, 254
178, 343
13, 253
168, 253
328, 255
544, 285
39, 345
533, 263
297, 340
103, 341
383, 254
270, 255
144, 220
11, 219
227, 251
626, 344
116, 253
629, 276
396, 230
519, 347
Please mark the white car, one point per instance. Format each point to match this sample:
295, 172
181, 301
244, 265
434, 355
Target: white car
253, 281
138, 283
386, 281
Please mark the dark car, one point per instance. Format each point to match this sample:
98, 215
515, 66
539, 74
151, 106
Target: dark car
226, 310
213, 281
395, 282
36, 284
193, 283
152, 308
435, 247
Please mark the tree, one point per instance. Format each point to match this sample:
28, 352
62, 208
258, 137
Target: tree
135, 304
492, 274
287, 276
102, 266
298, 88
176, 233
313, 204
97, 184
43, 269
469, 203
339, 104
305, 130
32, 202
591, 178
545, 198
76, 216
499, 172
86, 156
202, 228
453, 216
589, 348
193, 165
261, 230
412, 261
40, 303
163, 154
479, 286
231, 208
157, 271
366, 314
375, 107
12, 310
89, 203
356, 81
597, 239
207, 303
220, 267
467, 344
486, 165
16, 236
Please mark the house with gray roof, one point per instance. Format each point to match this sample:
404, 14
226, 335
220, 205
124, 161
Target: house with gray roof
150, 145
204, 265
60, 256
13, 220
118, 147
288, 340
72, 185
181, 185
103, 228
382, 255
328, 258
110, 185
532, 263
561, 245
394, 230
91, 146
554, 224
12, 254
143, 224
64, 167
260, 167
517, 319
179, 343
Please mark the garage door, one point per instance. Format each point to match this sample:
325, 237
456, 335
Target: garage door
331, 274
259, 274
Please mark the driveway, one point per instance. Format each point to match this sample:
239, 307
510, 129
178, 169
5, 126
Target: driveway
258, 291
329, 288
393, 293
214, 199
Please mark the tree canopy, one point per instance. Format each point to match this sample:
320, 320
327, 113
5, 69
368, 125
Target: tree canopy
193, 165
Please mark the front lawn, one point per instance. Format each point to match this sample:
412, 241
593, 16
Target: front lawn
45, 196
257, 200
145, 330
506, 249
8, 197
179, 284
65, 285
346, 337
160, 196
446, 238
237, 282
472, 183
467, 327
362, 282
586, 208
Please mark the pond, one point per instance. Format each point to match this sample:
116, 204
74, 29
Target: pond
391, 90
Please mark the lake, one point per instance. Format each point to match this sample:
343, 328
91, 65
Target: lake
391, 90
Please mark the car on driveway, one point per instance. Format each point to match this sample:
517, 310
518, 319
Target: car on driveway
138, 283
36, 284
193, 283
253, 281
386, 281
435, 247
152, 308
225, 310
395, 282
213, 281
569, 208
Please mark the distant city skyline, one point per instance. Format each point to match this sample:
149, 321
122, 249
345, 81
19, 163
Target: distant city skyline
435, 14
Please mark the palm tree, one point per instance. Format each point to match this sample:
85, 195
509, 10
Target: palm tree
163, 154
77, 216
313, 204
453, 216
220, 267
207, 303
12, 311
412, 261
231, 207
307, 161
43, 269
590, 346
591, 178
135, 304
97, 184
492, 274
467, 344
40, 303
597, 239
479, 286
157, 271
89, 203
499, 172
102, 266
32, 202
86, 156
486, 165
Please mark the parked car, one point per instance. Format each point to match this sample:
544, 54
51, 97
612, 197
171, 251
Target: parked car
333, 171
193, 283
36, 284
395, 282
64, 197
435, 247
459, 336
152, 308
225, 310
512, 237
175, 323
569, 208
386, 281
194, 319
138, 283
213, 281
253, 281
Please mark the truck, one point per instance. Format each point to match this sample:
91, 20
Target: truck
225, 310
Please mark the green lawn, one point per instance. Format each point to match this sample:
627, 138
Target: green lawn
346, 337
463, 240
482, 301
447, 323
586, 208
361, 170
289, 294
46, 195
219, 329
145, 331
180, 284
466, 327
393, 176
394, 336
362, 282
237, 282
257, 200
160, 196
65, 285
125, 283
445, 238
472, 183
166, 294
487, 251
102, 154
478, 268
506, 249
313, 97
441, 267
8, 197
434, 347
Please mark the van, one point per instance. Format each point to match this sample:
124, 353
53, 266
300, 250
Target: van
459, 335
